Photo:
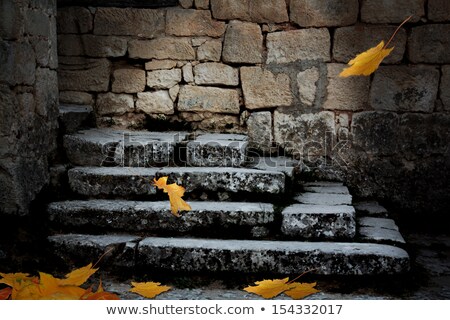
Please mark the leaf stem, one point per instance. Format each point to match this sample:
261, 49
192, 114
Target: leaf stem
396, 31
293, 280
102, 256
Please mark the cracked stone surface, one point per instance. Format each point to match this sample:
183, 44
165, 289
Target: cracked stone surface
116, 181
155, 216
318, 221
324, 198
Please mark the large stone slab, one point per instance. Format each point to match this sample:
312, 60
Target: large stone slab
139, 216
429, 44
405, 88
212, 73
74, 20
114, 104
189, 23
118, 181
145, 23
379, 230
331, 199
243, 43
163, 79
219, 150
128, 80
264, 89
155, 102
370, 208
439, 10
324, 13
210, 99
318, 221
83, 74
280, 257
161, 48
260, 11
298, 45
375, 11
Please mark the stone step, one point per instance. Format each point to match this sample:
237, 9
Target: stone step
380, 230
217, 150
72, 117
109, 147
227, 218
123, 182
319, 221
331, 199
249, 256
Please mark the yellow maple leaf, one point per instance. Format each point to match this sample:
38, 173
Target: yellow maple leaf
148, 289
270, 288
367, 62
78, 276
301, 290
17, 282
175, 193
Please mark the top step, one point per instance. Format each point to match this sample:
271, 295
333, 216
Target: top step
108, 147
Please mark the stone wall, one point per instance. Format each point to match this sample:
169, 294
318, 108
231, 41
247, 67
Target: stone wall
270, 68
28, 100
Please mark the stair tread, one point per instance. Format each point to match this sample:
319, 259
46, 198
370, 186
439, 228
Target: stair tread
218, 255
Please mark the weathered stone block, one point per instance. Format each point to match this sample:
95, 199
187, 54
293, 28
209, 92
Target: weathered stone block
156, 216
182, 22
74, 20
328, 199
186, 3
209, 99
376, 132
259, 126
260, 11
82, 74
326, 189
306, 135
210, 51
444, 92
11, 19
281, 257
18, 63
429, 44
70, 45
379, 230
375, 11
114, 104
72, 117
350, 41
98, 46
155, 102
305, 44
128, 80
350, 93
216, 153
162, 48
212, 73
405, 88
243, 43
370, 208
163, 79
263, 89
202, 4
145, 23
46, 93
324, 13
76, 97
318, 221
37, 23
307, 85
439, 10
160, 65
188, 73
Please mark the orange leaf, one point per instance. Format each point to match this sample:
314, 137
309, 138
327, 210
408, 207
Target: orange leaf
175, 193
148, 289
270, 288
367, 62
51, 288
5, 293
102, 296
18, 281
78, 277
301, 290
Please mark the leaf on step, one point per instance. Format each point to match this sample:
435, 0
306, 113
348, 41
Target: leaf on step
5, 293
175, 193
148, 289
18, 282
301, 290
270, 288
78, 276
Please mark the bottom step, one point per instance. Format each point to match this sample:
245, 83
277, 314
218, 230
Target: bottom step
250, 256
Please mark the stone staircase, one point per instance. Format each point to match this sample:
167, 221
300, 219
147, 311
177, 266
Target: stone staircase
247, 214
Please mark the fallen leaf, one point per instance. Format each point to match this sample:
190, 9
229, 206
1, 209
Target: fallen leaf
367, 62
18, 282
51, 289
5, 293
301, 290
175, 193
148, 289
270, 288
79, 276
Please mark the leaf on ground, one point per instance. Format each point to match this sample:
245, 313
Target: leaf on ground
301, 290
18, 282
148, 289
5, 293
78, 276
175, 193
270, 288
367, 62
51, 289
